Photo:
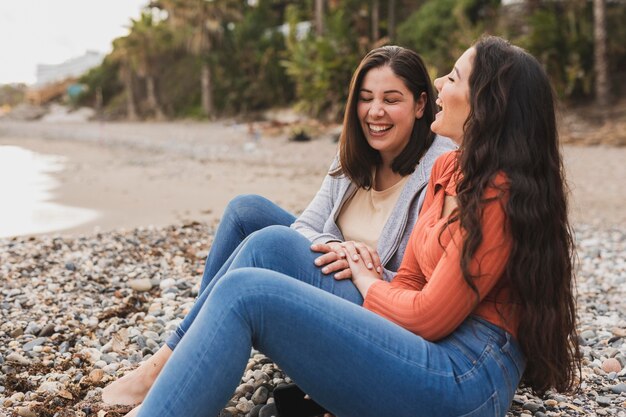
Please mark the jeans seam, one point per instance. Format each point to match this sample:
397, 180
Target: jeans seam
513, 356
477, 363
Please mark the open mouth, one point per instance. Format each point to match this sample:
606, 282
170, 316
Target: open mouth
439, 105
379, 128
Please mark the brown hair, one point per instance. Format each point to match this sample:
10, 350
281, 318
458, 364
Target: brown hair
357, 159
511, 128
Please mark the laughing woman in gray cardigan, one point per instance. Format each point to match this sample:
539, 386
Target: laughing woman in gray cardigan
364, 209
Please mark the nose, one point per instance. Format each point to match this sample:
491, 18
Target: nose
377, 109
438, 83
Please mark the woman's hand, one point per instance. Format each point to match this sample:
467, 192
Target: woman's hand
335, 253
362, 277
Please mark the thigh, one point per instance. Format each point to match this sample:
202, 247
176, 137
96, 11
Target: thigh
284, 250
350, 360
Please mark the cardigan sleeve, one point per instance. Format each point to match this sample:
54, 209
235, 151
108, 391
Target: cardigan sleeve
433, 309
311, 222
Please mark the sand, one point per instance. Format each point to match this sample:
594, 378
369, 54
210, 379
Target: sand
140, 174
189, 175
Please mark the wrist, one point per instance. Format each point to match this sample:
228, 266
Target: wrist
363, 284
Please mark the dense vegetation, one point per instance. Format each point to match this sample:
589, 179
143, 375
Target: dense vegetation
11, 94
207, 58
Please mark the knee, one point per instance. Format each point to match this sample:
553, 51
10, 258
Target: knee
275, 236
267, 248
244, 207
239, 282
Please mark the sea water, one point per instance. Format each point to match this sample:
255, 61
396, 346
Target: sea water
26, 189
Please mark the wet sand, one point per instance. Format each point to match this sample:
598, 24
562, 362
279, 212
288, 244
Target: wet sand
166, 181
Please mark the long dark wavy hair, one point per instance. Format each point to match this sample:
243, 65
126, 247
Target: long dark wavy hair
357, 158
511, 128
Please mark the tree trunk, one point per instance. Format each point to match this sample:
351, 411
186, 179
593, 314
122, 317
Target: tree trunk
319, 17
207, 98
375, 21
99, 100
532, 6
391, 20
131, 109
153, 102
601, 65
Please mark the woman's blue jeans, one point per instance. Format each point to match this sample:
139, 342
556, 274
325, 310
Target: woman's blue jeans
348, 359
254, 232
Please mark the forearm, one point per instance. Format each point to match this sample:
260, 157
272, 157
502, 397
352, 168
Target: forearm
363, 284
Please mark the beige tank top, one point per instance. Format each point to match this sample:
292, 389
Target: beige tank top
364, 215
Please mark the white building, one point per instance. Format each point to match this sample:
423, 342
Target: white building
72, 68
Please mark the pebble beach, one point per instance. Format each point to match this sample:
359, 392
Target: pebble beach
79, 310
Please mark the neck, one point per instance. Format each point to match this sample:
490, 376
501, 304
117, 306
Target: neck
386, 160
385, 177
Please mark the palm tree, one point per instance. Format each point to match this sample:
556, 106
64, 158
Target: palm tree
148, 41
319, 17
391, 19
202, 24
375, 20
601, 65
121, 54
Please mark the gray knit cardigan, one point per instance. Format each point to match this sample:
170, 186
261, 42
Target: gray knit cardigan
318, 221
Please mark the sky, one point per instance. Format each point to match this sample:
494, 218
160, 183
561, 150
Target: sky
52, 31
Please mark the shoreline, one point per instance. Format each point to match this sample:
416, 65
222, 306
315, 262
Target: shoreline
134, 183
142, 174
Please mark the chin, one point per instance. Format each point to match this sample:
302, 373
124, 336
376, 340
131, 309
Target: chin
437, 131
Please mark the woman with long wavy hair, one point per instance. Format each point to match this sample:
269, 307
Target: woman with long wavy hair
483, 298
511, 131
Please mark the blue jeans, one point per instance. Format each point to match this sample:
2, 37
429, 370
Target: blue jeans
348, 359
244, 215
253, 233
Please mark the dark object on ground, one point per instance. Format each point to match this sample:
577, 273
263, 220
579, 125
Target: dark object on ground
300, 136
291, 402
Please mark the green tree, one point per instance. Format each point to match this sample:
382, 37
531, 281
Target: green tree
12, 94
561, 37
103, 84
321, 66
247, 64
462, 21
121, 57
202, 24
148, 41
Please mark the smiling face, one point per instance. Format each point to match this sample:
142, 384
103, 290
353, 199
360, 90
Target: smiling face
387, 111
453, 99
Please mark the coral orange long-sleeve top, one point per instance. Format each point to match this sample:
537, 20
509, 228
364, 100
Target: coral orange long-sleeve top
429, 295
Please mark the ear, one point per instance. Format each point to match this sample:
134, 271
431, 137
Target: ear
420, 105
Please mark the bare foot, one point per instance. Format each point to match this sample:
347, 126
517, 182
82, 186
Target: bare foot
133, 387
133, 412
